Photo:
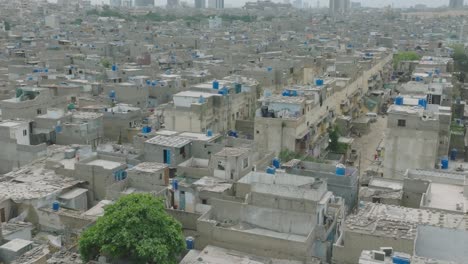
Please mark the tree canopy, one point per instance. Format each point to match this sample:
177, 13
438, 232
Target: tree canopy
405, 56
136, 228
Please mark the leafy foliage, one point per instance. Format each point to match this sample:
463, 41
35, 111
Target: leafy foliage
106, 63
460, 58
287, 155
7, 25
135, 228
405, 56
334, 145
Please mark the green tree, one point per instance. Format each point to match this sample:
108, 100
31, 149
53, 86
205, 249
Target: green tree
106, 63
460, 59
405, 56
136, 228
7, 25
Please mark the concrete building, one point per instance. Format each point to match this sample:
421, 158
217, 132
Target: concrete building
379, 225
200, 3
231, 164
204, 107
13, 249
168, 150
215, 255
456, 3
339, 6
282, 216
216, 4
143, 3
30, 102
345, 186
64, 128
122, 122
15, 138
127, 93
172, 3
411, 141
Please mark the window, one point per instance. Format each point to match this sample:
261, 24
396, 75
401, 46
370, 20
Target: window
258, 132
376, 200
401, 123
25, 132
245, 163
39, 111
160, 176
203, 201
221, 165
232, 175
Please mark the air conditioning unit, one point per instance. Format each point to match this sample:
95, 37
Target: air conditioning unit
388, 251
378, 255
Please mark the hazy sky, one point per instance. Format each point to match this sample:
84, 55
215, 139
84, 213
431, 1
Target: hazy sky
373, 3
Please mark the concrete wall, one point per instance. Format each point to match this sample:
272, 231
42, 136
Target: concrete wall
413, 191
254, 243
148, 181
355, 243
15, 156
442, 243
410, 147
118, 124
187, 219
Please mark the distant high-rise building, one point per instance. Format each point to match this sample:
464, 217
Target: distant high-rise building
456, 3
142, 3
216, 4
339, 6
115, 3
172, 3
200, 3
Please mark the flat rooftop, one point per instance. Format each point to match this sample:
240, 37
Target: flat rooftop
232, 152
198, 136
73, 193
212, 184
106, 164
16, 245
195, 94
148, 167
386, 184
399, 222
217, 255
174, 142
446, 197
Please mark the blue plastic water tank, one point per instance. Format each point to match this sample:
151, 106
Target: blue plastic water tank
445, 163
58, 129
190, 243
340, 170
55, 206
209, 133
271, 170
215, 85
276, 163
148, 82
399, 100
114, 67
400, 260
201, 99
286, 93
422, 102
453, 154
293, 93
238, 87
154, 83
319, 82
112, 94
270, 69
